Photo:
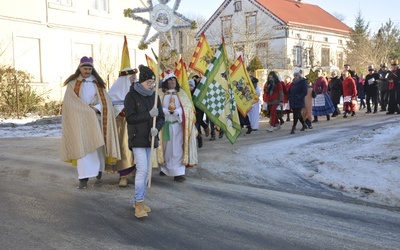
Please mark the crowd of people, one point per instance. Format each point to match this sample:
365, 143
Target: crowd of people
118, 130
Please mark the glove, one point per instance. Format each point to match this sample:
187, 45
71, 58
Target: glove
153, 132
153, 112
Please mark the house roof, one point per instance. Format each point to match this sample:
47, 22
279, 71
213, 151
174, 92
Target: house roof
299, 13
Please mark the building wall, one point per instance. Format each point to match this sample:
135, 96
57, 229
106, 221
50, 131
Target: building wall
286, 47
47, 39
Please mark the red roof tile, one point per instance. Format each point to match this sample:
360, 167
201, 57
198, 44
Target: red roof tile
303, 14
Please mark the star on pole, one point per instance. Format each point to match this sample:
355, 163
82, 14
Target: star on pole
162, 19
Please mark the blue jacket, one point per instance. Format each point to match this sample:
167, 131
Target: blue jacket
297, 92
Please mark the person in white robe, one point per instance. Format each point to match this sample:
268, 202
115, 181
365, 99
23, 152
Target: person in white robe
89, 136
179, 148
117, 93
254, 113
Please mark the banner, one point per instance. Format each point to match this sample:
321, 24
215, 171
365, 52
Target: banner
152, 65
243, 88
182, 77
125, 60
202, 56
215, 96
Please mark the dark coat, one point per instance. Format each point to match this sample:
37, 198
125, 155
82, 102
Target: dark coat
371, 89
297, 92
335, 88
139, 121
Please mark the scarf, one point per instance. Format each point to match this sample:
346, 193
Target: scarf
270, 87
142, 90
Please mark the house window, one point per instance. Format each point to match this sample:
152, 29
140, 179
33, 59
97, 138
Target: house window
325, 52
325, 39
27, 57
251, 23
298, 35
226, 23
63, 2
297, 56
100, 5
309, 37
238, 5
340, 41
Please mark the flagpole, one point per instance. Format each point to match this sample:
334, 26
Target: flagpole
152, 149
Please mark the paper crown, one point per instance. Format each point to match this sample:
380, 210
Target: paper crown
86, 61
127, 71
168, 74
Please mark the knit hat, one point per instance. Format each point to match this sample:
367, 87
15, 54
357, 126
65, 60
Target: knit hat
371, 67
145, 73
394, 62
127, 71
86, 61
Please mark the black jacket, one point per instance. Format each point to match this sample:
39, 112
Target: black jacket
139, 121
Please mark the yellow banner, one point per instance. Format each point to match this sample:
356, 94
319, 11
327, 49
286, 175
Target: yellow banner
243, 88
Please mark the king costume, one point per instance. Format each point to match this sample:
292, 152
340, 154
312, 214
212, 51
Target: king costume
117, 94
178, 138
89, 132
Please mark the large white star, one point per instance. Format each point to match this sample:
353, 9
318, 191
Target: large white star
162, 19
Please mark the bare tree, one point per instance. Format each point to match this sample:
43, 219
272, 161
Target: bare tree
108, 65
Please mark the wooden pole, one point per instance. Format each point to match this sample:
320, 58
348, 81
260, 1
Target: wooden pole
158, 71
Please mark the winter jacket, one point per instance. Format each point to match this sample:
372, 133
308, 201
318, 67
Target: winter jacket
275, 96
139, 121
371, 87
335, 88
320, 85
349, 87
297, 92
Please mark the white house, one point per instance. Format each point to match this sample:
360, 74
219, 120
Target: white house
48, 37
284, 34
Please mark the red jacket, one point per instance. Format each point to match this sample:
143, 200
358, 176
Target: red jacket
277, 95
349, 87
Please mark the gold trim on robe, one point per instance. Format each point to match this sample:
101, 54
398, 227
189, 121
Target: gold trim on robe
81, 132
189, 158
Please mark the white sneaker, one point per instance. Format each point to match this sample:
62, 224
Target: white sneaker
277, 127
271, 129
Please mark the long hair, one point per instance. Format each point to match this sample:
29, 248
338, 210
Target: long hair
274, 76
164, 85
94, 73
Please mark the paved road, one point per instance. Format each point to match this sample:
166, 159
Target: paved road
41, 207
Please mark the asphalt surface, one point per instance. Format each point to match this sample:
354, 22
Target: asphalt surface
41, 207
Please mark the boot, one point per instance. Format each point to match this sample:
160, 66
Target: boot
123, 181
328, 117
308, 123
315, 119
145, 208
139, 210
304, 127
345, 114
293, 128
199, 141
249, 129
288, 118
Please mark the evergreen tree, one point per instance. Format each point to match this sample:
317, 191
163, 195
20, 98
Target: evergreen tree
358, 52
254, 64
386, 43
